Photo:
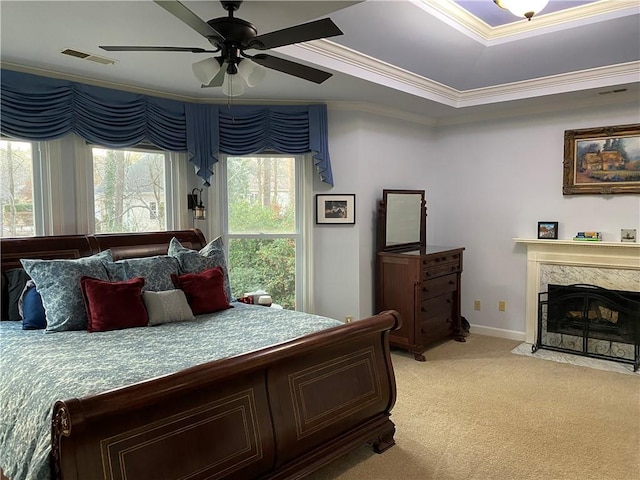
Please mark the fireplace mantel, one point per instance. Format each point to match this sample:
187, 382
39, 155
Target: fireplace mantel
607, 264
579, 244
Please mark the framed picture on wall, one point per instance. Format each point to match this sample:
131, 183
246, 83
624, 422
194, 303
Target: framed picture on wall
548, 230
603, 160
336, 209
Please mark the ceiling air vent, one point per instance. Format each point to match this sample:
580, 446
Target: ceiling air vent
87, 56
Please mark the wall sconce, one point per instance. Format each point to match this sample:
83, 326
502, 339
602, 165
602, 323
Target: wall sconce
194, 201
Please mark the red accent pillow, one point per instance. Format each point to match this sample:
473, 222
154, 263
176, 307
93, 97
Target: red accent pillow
204, 290
113, 305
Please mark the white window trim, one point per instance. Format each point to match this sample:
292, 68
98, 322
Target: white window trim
85, 211
44, 213
304, 220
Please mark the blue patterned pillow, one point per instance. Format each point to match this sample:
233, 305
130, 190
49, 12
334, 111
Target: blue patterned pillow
156, 271
58, 282
210, 256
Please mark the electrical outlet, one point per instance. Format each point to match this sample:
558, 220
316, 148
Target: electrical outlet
476, 304
502, 305
348, 319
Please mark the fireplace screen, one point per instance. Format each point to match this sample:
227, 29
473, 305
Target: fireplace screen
591, 321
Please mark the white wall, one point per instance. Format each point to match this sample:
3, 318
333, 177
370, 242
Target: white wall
368, 153
498, 179
485, 183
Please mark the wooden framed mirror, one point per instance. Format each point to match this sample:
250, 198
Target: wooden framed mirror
402, 221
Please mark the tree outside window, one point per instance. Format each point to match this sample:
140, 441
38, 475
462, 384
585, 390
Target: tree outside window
262, 230
129, 190
16, 189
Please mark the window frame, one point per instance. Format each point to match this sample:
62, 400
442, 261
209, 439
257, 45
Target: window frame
85, 182
301, 236
62, 177
40, 184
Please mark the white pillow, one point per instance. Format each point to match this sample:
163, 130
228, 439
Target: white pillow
167, 306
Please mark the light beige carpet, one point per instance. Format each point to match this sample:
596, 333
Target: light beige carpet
476, 411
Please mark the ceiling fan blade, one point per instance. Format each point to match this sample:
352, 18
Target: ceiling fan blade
128, 48
219, 78
181, 12
291, 68
300, 33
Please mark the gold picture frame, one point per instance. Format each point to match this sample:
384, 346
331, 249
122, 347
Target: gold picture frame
602, 160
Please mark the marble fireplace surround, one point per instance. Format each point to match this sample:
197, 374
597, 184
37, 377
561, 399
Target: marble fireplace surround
613, 265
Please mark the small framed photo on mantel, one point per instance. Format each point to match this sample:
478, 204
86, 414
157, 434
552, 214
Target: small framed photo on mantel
628, 235
336, 209
548, 230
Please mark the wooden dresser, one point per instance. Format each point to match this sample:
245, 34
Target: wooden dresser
424, 287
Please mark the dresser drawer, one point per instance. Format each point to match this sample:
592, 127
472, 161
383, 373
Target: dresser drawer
438, 286
438, 265
437, 259
437, 306
435, 329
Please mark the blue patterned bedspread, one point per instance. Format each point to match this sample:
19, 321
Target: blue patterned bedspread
36, 369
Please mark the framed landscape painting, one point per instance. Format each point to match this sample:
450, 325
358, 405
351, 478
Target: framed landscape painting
548, 230
603, 160
336, 208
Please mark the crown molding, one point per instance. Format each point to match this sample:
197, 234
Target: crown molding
462, 20
593, 78
351, 62
331, 55
546, 109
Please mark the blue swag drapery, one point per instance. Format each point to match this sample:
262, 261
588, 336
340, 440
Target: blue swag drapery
43, 108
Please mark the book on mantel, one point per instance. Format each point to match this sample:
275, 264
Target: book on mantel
588, 236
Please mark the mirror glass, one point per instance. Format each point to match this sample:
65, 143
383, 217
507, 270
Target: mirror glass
404, 223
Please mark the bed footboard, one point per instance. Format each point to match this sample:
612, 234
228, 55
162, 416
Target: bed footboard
280, 412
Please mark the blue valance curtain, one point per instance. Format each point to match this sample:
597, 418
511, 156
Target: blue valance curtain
43, 108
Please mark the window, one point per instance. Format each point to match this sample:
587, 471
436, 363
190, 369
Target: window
17, 195
263, 226
129, 190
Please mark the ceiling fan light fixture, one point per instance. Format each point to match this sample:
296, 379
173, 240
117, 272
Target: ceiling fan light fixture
251, 72
233, 85
522, 8
206, 69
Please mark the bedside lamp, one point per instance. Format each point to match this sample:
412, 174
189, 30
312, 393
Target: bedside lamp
194, 201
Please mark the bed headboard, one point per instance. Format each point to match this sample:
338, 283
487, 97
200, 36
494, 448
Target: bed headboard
123, 245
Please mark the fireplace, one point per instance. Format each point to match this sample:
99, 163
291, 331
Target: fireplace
591, 321
611, 265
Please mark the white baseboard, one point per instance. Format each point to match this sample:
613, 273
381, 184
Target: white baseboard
498, 332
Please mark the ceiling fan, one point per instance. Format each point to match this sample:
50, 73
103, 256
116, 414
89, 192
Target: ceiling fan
231, 37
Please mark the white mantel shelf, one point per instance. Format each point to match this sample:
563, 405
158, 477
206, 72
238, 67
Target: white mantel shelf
607, 264
575, 243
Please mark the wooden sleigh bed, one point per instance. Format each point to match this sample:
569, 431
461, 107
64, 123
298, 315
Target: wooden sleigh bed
277, 412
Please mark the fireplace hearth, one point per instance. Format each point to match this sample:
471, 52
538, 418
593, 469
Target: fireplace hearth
591, 321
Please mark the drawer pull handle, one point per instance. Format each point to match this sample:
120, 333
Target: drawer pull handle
451, 282
448, 300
